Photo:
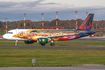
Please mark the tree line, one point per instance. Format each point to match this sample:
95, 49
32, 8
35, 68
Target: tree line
98, 26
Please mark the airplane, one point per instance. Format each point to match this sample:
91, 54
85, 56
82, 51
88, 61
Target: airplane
43, 36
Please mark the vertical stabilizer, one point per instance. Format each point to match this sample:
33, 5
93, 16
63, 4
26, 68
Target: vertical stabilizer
86, 25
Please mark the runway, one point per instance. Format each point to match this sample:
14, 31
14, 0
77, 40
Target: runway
90, 39
62, 47
93, 67
54, 47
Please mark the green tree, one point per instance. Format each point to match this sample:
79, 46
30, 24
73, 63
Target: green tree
1, 25
28, 24
21, 25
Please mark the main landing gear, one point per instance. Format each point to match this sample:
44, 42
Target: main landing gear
42, 44
52, 43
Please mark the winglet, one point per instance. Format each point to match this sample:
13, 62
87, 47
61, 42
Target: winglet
86, 25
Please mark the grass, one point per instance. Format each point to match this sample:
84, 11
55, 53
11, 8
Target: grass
50, 57
2, 33
60, 43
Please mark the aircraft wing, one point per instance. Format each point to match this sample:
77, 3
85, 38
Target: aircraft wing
59, 36
62, 37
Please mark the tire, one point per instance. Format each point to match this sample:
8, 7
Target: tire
42, 44
52, 44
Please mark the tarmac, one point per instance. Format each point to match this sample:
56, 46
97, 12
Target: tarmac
55, 47
90, 67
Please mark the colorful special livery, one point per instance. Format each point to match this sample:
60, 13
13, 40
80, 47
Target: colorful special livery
43, 36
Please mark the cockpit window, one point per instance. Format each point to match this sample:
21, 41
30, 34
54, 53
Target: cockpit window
9, 32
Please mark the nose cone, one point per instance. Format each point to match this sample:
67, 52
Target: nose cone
7, 36
10, 37
4, 36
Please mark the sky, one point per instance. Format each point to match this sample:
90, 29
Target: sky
14, 10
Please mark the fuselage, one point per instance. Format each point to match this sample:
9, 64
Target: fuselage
9, 34
34, 34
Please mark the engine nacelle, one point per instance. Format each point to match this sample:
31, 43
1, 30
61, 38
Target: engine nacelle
29, 42
42, 40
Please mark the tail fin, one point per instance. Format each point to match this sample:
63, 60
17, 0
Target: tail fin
86, 25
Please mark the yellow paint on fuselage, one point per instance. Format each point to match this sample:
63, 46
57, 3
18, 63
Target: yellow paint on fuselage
43, 40
34, 34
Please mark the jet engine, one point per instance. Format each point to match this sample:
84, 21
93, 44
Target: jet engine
42, 41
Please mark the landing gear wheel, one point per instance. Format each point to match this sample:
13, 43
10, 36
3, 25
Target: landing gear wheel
52, 44
42, 44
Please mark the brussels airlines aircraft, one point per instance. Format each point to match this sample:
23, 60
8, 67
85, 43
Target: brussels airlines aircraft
43, 36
